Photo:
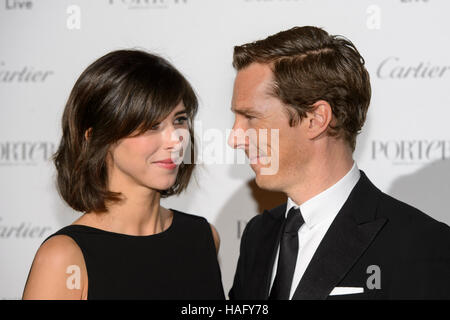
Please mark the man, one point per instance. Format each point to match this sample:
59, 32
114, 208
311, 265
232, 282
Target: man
338, 236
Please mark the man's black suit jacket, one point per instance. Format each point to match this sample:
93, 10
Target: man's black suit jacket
372, 230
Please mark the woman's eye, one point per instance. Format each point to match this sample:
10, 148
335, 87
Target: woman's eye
181, 120
155, 127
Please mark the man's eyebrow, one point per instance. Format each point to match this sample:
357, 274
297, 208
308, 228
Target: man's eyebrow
245, 111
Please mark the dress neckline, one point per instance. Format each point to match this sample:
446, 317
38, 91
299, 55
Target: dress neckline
124, 235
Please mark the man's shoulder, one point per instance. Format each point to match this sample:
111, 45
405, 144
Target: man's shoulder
414, 227
402, 217
400, 212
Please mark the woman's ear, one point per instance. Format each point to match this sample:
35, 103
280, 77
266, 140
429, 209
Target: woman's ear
87, 133
319, 118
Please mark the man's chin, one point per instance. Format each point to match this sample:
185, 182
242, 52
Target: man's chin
265, 182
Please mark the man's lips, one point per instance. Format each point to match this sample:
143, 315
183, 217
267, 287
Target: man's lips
256, 159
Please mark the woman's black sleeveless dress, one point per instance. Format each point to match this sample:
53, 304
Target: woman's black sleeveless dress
178, 263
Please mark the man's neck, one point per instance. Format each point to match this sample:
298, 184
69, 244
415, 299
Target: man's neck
318, 178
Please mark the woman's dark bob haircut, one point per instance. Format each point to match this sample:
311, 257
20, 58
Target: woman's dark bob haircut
122, 93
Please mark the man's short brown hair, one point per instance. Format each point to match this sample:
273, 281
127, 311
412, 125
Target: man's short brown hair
310, 65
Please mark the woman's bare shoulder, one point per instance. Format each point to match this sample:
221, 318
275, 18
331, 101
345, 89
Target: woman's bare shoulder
58, 271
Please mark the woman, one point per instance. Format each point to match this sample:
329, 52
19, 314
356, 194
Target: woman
126, 125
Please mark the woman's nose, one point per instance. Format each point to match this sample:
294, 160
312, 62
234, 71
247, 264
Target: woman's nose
174, 138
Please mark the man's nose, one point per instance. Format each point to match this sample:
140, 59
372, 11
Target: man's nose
237, 138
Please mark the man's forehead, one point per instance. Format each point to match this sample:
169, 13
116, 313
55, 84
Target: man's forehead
246, 95
253, 87
254, 75
257, 70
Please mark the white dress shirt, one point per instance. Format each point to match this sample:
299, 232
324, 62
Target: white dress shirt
318, 213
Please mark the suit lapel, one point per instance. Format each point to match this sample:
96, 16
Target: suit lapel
351, 232
266, 251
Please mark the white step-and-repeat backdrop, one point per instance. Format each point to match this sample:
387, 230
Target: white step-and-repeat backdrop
46, 44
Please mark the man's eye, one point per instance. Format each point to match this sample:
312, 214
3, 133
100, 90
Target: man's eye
249, 117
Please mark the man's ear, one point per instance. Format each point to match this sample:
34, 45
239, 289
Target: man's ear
319, 119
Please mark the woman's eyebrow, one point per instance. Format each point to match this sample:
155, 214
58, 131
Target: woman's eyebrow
180, 112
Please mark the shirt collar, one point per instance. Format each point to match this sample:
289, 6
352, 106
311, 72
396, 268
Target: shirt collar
327, 204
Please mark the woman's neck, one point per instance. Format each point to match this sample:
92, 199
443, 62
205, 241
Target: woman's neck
139, 213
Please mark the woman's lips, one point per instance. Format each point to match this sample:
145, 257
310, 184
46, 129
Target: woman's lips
166, 164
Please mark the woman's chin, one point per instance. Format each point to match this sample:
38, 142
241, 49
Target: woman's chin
161, 186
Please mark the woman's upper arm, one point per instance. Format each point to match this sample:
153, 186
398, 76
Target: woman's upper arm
58, 271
